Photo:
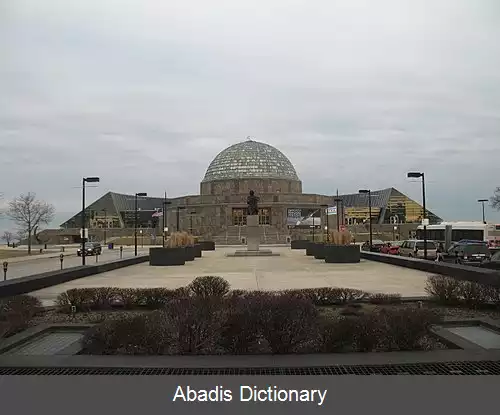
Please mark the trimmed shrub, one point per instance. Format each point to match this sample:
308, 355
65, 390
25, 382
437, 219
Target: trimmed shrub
473, 294
190, 325
493, 294
241, 333
378, 330
448, 291
155, 298
445, 290
288, 323
380, 298
368, 332
336, 335
89, 299
209, 287
238, 293
196, 324
347, 295
16, 313
325, 296
143, 334
81, 298
404, 328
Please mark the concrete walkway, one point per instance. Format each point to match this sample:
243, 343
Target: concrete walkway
293, 269
34, 257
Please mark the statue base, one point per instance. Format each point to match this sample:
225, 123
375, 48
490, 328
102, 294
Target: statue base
253, 233
253, 241
248, 253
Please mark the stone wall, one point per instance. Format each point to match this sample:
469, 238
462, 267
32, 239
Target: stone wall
243, 186
211, 215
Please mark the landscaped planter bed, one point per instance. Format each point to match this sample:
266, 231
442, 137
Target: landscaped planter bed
208, 318
319, 250
299, 244
341, 254
167, 256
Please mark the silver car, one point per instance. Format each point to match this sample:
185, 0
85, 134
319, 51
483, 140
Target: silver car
414, 248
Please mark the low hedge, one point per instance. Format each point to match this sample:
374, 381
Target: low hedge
103, 298
257, 324
16, 313
443, 290
449, 291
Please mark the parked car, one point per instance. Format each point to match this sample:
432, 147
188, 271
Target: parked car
470, 254
414, 248
492, 263
390, 248
377, 244
91, 248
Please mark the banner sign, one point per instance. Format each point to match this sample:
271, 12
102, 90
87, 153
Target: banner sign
303, 218
332, 210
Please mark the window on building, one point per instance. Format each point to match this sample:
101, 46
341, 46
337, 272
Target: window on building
264, 216
239, 217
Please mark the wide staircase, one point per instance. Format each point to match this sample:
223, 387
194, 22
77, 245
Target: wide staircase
236, 235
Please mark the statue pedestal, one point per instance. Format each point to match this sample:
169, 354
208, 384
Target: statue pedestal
253, 233
253, 241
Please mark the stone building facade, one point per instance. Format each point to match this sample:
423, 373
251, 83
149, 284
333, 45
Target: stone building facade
285, 212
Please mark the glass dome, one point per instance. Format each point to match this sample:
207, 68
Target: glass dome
250, 159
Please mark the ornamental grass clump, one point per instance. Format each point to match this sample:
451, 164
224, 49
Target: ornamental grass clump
340, 237
176, 240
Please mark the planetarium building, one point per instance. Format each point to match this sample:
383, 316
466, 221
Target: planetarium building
219, 211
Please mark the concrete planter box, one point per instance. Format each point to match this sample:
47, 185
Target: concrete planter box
167, 256
190, 253
299, 244
197, 250
310, 248
319, 250
207, 245
341, 254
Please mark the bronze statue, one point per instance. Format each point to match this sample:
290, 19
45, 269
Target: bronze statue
252, 202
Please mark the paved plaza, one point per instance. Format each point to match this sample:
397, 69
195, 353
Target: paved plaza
293, 269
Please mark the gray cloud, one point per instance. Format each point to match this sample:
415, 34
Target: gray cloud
355, 93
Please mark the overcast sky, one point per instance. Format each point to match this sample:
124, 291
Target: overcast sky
145, 94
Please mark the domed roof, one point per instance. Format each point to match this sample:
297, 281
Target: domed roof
250, 159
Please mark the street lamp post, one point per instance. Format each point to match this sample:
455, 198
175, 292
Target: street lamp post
105, 223
325, 209
165, 203
482, 201
416, 175
337, 201
369, 193
85, 180
135, 219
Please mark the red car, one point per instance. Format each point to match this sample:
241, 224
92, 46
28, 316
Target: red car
390, 249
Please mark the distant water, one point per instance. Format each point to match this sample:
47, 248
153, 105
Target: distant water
7, 225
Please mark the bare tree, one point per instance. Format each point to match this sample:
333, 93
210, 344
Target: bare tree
28, 213
8, 237
495, 199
